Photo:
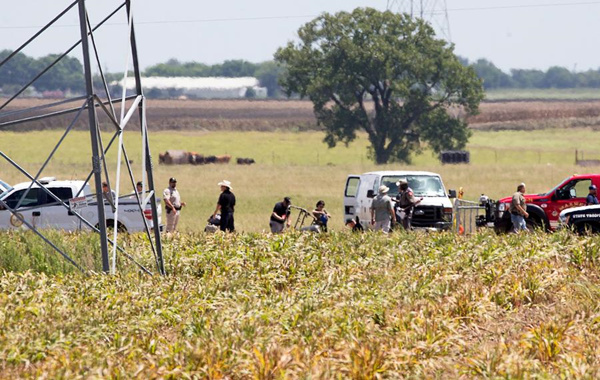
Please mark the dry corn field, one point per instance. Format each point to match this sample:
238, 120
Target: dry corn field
338, 305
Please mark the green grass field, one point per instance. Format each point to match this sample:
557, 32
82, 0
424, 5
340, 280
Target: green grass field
300, 165
546, 93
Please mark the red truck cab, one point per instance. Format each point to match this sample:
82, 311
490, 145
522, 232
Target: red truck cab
544, 209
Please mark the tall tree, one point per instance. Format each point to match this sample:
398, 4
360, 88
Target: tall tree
492, 76
386, 74
559, 77
268, 74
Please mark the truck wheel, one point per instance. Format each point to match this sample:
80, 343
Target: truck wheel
110, 224
586, 229
535, 223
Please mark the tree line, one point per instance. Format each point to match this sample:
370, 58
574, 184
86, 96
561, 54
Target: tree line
67, 74
267, 72
554, 77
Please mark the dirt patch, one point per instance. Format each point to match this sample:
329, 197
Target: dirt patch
270, 115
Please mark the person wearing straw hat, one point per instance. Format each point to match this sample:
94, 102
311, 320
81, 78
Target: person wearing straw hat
173, 205
382, 210
226, 205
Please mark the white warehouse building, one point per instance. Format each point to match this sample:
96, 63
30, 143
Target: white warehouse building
200, 88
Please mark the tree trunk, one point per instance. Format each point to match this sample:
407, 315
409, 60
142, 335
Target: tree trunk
382, 156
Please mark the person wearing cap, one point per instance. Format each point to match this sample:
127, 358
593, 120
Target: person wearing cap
280, 217
518, 209
173, 205
382, 210
405, 204
592, 198
108, 194
139, 187
225, 205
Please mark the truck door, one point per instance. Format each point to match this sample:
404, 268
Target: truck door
54, 215
571, 194
367, 182
350, 193
27, 209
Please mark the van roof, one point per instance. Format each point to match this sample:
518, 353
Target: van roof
402, 173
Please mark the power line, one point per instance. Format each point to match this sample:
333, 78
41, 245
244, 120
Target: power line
262, 18
198, 21
545, 5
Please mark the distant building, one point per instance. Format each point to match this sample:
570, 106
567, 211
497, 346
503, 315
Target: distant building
199, 88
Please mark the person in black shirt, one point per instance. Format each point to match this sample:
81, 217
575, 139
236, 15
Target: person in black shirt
592, 199
280, 215
226, 204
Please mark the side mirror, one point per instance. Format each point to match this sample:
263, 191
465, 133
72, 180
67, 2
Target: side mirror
573, 193
2, 207
451, 193
370, 194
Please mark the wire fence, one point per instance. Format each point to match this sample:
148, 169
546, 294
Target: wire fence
466, 213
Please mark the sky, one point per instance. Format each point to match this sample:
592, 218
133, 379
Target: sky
524, 34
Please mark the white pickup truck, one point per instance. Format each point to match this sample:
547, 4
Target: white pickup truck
4, 187
433, 212
42, 211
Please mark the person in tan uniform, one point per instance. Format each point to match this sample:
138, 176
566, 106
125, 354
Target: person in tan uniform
173, 205
518, 209
405, 204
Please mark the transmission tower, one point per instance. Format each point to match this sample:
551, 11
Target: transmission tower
96, 102
433, 11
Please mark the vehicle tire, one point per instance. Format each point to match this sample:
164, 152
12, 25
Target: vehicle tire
534, 224
586, 229
504, 226
110, 223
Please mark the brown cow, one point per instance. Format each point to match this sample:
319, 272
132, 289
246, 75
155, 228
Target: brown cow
224, 159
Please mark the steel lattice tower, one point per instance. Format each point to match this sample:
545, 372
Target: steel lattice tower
95, 102
433, 11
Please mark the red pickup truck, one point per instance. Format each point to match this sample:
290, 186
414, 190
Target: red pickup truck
544, 209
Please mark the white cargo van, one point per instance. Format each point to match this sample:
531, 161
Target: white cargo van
434, 211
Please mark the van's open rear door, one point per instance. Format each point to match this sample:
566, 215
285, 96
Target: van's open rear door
350, 192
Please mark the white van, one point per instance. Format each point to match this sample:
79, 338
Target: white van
434, 211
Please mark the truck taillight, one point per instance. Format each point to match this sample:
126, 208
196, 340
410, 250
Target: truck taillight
148, 214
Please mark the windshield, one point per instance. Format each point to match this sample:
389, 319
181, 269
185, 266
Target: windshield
4, 188
556, 187
421, 185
